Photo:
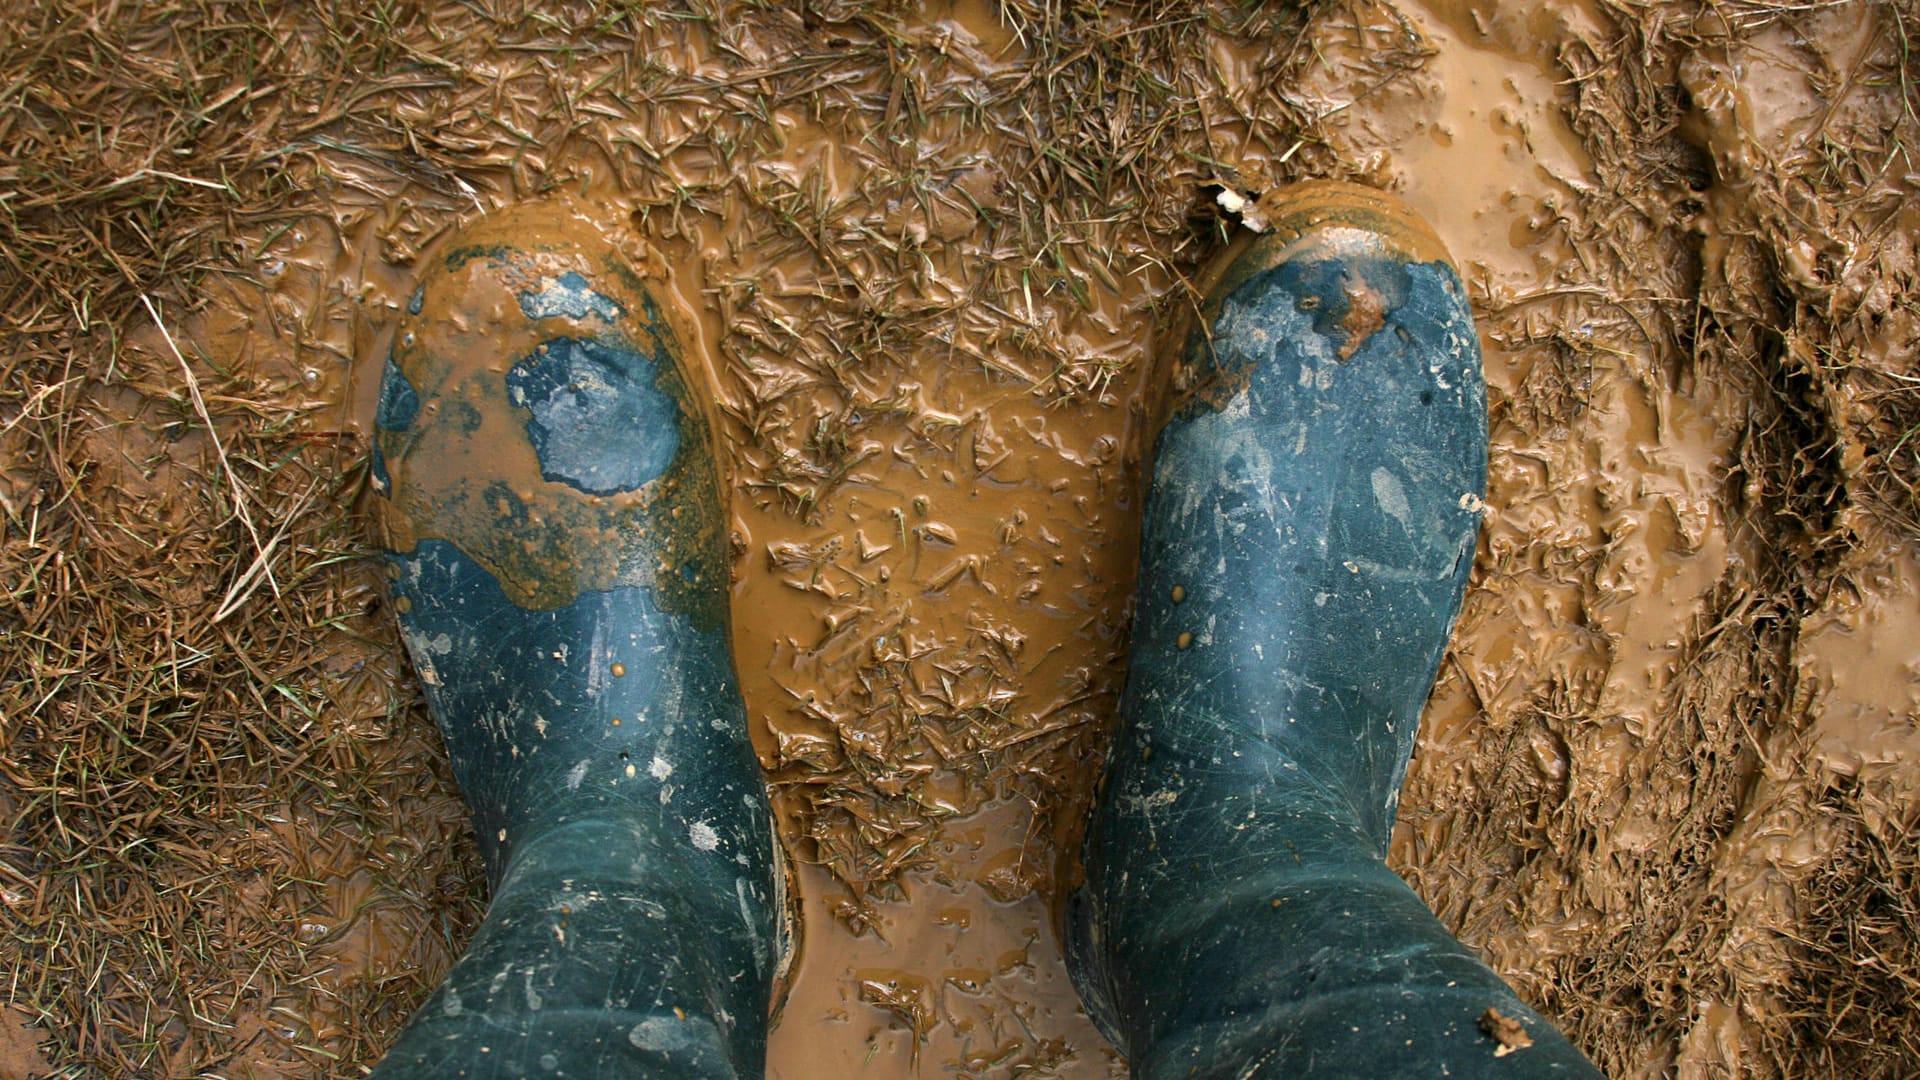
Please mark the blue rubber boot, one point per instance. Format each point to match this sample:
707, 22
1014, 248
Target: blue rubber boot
557, 556
1316, 495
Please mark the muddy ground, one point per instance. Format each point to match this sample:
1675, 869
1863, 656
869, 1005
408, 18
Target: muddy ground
1667, 781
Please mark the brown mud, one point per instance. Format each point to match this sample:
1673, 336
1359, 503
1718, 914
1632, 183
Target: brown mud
1666, 783
471, 477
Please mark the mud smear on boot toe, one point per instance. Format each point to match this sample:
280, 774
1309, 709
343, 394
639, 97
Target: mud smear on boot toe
508, 410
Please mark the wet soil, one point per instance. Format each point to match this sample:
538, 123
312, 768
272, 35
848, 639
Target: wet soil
19, 1048
923, 260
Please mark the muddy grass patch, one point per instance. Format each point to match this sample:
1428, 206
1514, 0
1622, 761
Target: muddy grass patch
1851, 1005
227, 841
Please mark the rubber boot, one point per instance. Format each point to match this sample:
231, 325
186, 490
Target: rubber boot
1315, 500
557, 556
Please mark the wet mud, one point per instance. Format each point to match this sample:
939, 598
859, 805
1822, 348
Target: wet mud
923, 263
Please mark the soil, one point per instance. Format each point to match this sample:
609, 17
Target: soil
19, 1050
1666, 784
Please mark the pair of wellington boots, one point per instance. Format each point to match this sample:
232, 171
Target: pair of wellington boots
558, 559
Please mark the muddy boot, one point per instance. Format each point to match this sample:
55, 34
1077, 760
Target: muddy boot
1316, 494
557, 556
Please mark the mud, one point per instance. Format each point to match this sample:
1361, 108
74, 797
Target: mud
923, 263
934, 558
470, 478
950, 974
20, 1047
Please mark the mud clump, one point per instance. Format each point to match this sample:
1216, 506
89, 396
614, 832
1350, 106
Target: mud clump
1509, 1034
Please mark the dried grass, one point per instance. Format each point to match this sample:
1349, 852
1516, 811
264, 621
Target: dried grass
196, 753
1852, 1005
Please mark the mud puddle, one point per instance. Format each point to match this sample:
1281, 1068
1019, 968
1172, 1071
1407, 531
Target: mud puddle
958, 974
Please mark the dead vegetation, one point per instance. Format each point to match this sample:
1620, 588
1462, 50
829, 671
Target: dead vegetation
227, 844
1843, 1005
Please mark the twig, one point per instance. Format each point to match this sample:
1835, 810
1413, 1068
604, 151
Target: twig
262, 551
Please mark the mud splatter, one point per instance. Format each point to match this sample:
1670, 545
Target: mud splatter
504, 496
